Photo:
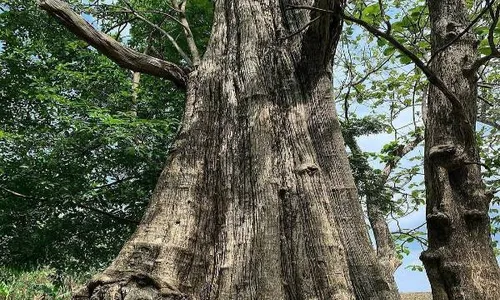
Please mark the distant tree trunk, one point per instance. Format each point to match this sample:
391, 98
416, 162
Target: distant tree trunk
386, 249
459, 262
136, 81
257, 200
373, 185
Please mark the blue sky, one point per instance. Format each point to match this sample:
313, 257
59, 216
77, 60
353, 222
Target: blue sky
407, 280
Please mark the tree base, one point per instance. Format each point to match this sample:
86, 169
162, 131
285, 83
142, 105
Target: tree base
128, 287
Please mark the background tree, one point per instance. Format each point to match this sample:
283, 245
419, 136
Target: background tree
460, 261
457, 203
79, 159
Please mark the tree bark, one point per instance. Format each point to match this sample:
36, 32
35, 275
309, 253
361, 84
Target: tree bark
257, 200
459, 262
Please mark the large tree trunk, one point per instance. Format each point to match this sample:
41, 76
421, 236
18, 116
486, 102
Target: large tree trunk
460, 262
257, 200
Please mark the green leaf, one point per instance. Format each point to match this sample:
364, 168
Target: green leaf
405, 60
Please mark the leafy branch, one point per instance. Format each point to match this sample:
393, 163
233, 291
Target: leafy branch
84, 206
431, 76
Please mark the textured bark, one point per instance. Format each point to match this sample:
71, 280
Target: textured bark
386, 249
257, 200
459, 262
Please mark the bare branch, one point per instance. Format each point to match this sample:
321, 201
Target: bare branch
123, 56
489, 122
97, 210
148, 11
382, 14
494, 20
181, 8
14, 193
483, 60
301, 29
123, 24
109, 215
370, 72
165, 33
400, 152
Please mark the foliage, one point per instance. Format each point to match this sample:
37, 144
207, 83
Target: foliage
80, 149
143, 36
78, 159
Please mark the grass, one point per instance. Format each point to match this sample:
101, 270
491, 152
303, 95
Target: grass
43, 283
48, 284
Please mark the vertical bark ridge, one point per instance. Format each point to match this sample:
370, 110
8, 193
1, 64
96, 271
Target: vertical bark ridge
324, 126
257, 201
459, 262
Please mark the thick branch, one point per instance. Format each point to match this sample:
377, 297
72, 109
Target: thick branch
123, 56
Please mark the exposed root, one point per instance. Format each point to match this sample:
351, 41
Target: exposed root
131, 287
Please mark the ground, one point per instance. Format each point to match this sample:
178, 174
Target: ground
416, 296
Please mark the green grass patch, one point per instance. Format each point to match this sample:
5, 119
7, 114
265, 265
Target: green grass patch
44, 283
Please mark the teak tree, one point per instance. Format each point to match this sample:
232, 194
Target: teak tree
460, 261
257, 200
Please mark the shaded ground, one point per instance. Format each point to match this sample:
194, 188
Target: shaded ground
416, 296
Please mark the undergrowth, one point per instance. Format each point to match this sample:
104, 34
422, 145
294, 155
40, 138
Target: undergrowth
44, 283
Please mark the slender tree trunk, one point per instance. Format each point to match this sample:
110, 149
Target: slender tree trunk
460, 262
257, 200
386, 249
376, 204
136, 81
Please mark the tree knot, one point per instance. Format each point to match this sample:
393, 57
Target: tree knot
308, 168
433, 256
472, 215
439, 218
448, 156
